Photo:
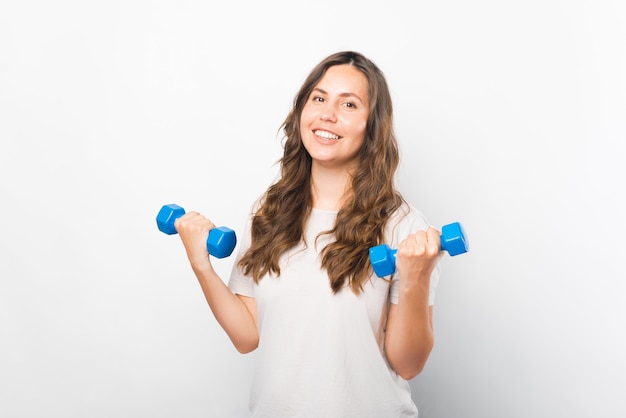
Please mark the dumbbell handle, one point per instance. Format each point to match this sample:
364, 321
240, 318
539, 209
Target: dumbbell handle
221, 240
453, 240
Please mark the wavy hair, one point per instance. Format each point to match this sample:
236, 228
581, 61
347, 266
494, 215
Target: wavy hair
278, 225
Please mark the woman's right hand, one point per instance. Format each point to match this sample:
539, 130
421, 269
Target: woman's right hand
193, 229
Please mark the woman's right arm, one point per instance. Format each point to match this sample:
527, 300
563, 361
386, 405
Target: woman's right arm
236, 314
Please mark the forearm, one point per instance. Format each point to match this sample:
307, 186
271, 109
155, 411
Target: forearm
229, 310
409, 337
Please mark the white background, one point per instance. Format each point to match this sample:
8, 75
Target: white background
511, 118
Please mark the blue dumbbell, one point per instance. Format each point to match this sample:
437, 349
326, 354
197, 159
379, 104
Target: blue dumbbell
220, 243
453, 240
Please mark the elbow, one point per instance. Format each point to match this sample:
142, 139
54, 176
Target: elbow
410, 373
408, 366
246, 346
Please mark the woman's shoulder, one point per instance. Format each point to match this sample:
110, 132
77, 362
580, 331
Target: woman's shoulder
405, 220
407, 213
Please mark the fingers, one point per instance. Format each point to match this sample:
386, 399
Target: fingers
433, 236
422, 244
193, 222
193, 230
419, 253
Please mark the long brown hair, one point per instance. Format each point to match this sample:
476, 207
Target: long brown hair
279, 223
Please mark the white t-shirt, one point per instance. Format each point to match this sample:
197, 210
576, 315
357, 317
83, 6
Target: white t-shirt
321, 354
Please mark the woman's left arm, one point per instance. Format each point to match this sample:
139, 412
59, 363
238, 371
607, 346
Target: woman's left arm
409, 338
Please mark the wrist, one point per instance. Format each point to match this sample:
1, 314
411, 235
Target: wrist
202, 267
415, 290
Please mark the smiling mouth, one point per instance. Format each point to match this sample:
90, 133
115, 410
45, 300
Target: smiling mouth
327, 135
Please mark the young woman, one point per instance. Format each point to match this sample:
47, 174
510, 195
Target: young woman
333, 340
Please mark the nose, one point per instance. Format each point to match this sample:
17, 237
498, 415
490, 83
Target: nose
328, 113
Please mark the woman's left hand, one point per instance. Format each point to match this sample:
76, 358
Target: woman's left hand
418, 255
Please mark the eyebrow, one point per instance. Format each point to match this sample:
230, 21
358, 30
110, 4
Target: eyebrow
347, 94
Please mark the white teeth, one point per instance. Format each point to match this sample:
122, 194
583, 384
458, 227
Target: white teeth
326, 135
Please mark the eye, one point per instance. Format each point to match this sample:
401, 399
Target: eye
350, 105
318, 99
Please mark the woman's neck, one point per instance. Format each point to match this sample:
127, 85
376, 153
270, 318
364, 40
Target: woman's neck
329, 187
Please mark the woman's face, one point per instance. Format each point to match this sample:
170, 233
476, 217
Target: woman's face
334, 118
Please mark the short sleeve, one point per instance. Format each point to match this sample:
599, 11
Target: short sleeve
239, 283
